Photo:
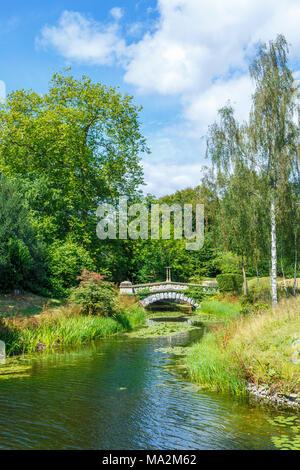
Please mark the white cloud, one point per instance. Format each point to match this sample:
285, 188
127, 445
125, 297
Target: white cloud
2, 90
116, 13
192, 51
82, 39
197, 51
165, 179
200, 109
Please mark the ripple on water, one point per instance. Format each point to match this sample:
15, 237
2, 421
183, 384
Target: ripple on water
122, 394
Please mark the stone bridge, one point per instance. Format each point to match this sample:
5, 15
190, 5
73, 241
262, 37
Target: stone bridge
166, 290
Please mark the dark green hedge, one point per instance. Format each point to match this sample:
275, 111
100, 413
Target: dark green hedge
230, 282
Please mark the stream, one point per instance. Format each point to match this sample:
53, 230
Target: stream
124, 393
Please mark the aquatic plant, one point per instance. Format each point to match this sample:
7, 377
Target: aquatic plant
290, 424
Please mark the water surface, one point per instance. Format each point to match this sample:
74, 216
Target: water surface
122, 393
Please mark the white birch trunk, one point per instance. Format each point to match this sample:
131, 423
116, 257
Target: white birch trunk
273, 253
245, 285
295, 267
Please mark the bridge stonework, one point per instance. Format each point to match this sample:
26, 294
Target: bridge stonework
167, 290
175, 296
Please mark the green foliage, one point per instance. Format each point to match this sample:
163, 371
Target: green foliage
66, 261
212, 366
132, 317
228, 262
57, 330
143, 294
96, 299
230, 282
22, 255
197, 294
79, 144
290, 425
65, 326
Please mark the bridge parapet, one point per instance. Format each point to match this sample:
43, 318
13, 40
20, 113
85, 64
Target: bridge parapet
128, 288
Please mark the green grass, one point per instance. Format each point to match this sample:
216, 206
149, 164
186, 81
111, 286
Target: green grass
25, 305
264, 282
258, 349
64, 327
220, 308
214, 367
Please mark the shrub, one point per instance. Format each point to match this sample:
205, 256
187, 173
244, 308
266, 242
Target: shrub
197, 294
143, 294
67, 260
227, 262
230, 282
96, 298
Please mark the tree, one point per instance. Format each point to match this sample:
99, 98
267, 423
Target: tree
261, 157
227, 146
22, 255
77, 145
272, 129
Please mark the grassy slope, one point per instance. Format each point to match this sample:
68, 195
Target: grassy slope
265, 282
24, 305
258, 348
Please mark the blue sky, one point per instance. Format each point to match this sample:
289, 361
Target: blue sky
181, 59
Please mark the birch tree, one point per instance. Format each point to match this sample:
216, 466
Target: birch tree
272, 129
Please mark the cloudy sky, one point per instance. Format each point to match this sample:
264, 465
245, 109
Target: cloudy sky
181, 59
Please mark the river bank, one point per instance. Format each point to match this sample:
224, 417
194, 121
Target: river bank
256, 354
64, 326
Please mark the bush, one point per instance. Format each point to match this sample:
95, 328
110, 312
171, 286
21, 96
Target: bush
227, 262
230, 282
67, 260
143, 294
96, 298
197, 294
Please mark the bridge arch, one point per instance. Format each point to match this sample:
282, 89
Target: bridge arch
175, 296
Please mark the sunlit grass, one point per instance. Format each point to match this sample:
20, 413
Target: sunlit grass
64, 326
258, 349
220, 308
214, 367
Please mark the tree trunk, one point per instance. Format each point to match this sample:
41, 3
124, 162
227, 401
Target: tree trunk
273, 253
295, 267
245, 286
257, 276
284, 280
